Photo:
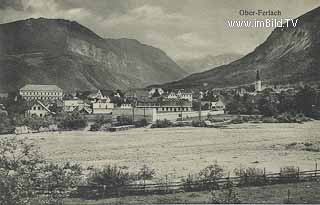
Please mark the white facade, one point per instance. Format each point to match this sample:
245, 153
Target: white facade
180, 95
41, 92
38, 109
71, 105
257, 86
102, 107
219, 105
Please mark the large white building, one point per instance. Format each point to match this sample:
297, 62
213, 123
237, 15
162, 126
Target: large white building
41, 92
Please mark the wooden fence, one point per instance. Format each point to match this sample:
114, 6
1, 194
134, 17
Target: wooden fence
188, 185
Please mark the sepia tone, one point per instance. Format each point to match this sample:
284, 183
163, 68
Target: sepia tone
159, 102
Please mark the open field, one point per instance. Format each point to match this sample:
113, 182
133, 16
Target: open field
179, 151
301, 193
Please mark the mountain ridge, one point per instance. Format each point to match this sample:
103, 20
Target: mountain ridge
210, 61
288, 55
63, 52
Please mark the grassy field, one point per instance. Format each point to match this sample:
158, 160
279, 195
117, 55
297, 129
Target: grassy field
178, 151
302, 193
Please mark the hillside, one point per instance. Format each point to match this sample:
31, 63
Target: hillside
62, 52
203, 64
289, 55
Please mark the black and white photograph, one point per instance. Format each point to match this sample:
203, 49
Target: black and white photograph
159, 102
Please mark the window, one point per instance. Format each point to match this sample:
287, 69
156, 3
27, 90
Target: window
39, 108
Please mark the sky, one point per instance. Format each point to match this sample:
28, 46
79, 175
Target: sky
184, 29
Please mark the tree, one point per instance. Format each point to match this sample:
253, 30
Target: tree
22, 170
17, 105
146, 173
266, 107
306, 99
211, 174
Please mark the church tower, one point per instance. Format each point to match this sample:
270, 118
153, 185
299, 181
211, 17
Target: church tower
257, 84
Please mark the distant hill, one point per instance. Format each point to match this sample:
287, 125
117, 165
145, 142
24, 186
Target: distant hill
289, 55
62, 52
198, 65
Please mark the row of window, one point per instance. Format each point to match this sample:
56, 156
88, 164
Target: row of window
41, 93
42, 98
174, 109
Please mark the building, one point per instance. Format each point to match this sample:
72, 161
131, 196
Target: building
76, 105
3, 96
102, 107
216, 106
166, 105
41, 92
180, 94
39, 109
257, 83
159, 92
3, 110
101, 95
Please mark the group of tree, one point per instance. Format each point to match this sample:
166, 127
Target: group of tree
269, 103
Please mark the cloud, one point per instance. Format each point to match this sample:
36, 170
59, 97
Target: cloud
11, 4
193, 40
145, 15
182, 28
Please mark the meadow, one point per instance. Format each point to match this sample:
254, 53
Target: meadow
176, 152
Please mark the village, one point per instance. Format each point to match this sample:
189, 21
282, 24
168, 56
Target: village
156, 104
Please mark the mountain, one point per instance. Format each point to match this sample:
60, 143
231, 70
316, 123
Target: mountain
288, 55
62, 52
202, 64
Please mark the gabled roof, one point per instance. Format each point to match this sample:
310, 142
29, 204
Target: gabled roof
42, 104
41, 87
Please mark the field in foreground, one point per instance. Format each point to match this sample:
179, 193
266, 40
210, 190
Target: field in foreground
178, 151
302, 193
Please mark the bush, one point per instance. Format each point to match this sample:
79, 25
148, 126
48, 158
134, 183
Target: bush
289, 174
123, 120
110, 176
6, 126
23, 171
250, 176
210, 175
197, 123
73, 121
237, 120
228, 195
141, 123
162, 124
100, 122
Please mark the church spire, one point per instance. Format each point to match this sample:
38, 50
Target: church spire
258, 76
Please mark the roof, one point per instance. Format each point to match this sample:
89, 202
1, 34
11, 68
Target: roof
41, 87
107, 93
43, 104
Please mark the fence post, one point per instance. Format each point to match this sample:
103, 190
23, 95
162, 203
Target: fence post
316, 168
166, 188
264, 175
298, 173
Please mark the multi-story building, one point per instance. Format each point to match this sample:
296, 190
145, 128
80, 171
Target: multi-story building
41, 92
166, 105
